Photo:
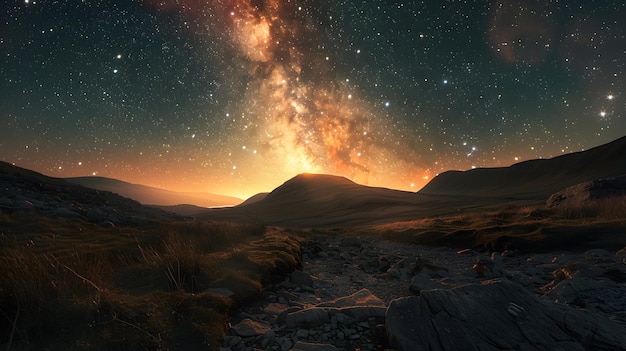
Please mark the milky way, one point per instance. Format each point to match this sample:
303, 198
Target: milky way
235, 97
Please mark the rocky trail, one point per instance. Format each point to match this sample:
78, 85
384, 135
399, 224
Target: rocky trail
370, 294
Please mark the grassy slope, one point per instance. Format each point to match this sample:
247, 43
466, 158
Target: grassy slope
67, 284
600, 223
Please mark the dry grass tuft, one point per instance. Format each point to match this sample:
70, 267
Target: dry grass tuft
608, 208
71, 285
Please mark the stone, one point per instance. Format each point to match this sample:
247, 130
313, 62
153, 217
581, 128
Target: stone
350, 242
384, 265
302, 333
343, 318
248, 327
423, 282
466, 317
275, 308
489, 268
307, 318
587, 292
363, 313
303, 346
394, 272
286, 344
301, 278
363, 297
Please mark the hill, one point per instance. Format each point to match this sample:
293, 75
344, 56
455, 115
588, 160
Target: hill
28, 192
322, 200
315, 200
155, 196
534, 179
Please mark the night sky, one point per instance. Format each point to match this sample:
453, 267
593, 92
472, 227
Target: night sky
237, 96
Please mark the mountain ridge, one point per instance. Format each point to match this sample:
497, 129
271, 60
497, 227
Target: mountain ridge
537, 177
326, 200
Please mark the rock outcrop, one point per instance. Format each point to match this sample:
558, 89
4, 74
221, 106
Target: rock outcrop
443, 298
585, 192
496, 315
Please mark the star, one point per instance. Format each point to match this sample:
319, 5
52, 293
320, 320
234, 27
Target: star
278, 88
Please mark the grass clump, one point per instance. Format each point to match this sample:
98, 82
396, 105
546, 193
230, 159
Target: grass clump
596, 223
608, 208
73, 285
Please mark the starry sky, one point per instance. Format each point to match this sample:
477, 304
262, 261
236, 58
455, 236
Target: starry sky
236, 96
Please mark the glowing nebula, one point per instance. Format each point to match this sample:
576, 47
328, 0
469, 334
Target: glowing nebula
297, 113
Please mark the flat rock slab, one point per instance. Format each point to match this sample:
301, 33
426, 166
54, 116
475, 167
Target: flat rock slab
362, 297
359, 306
496, 315
304, 346
248, 327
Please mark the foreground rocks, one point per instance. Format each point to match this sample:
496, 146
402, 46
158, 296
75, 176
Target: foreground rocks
496, 315
374, 295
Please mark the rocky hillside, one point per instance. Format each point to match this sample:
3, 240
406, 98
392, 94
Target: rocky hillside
27, 192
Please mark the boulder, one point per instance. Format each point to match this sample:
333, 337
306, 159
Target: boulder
423, 282
301, 278
581, 291
585, 192
496, 315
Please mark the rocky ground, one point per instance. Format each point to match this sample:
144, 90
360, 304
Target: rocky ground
369, 294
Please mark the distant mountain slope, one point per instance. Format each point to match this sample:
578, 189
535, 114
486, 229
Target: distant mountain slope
310, 200
253, 199
155, 196
534, 179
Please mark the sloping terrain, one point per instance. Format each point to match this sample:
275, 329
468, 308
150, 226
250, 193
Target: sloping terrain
313, 200
31, 193
155, 196
322, 200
